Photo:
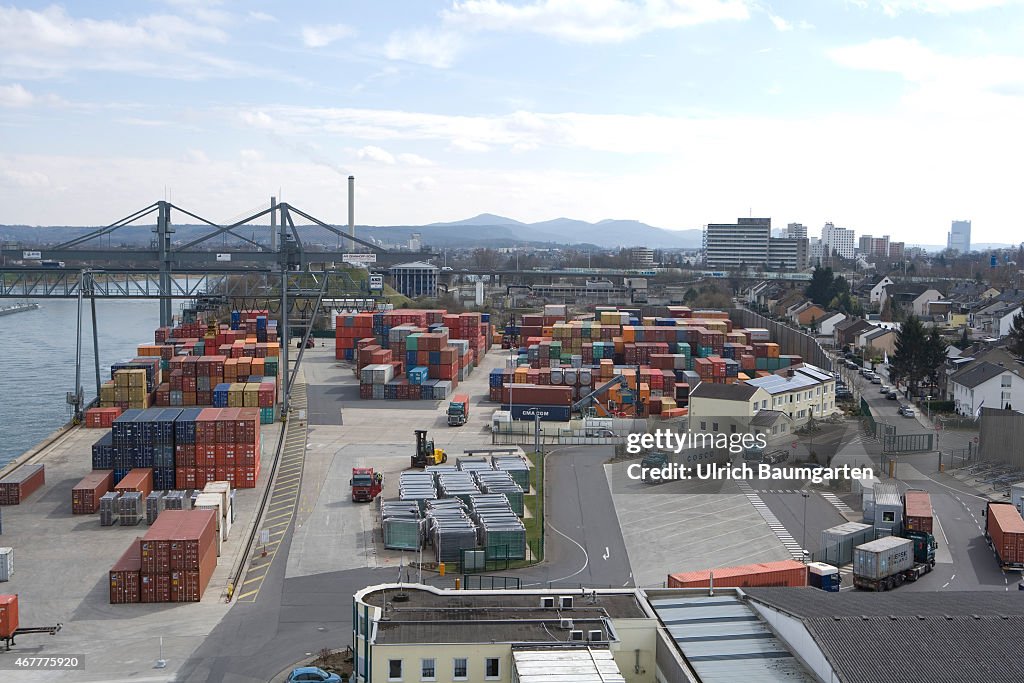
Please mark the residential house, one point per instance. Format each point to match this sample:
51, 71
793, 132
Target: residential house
801, 392
996, 318
989, 385
788, 300
909, 296
728, 408
920, 303
846, 332
879, 342
826, 326
962, 359
878, 289
808, 314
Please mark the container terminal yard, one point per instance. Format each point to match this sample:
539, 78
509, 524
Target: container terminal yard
278, 557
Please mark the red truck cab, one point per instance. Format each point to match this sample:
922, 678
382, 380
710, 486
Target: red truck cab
366, 484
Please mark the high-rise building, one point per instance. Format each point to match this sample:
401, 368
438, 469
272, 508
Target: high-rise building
815, 251
641, 256
896, 251
959, 238
787, 253
740, 244
837, 240
415, 241
873, 247
796, 230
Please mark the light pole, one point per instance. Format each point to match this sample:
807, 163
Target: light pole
803, 545
928, 403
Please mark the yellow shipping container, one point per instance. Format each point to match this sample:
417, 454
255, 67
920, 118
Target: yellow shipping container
251, 396
236, 396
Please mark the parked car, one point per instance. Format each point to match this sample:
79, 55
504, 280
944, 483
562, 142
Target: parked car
907, 411
884, 389
311, 674
892, 395
866, 372
875, 379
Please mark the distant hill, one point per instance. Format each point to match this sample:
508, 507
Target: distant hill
485, 230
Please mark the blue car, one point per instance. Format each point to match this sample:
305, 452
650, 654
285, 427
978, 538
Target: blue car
311, 674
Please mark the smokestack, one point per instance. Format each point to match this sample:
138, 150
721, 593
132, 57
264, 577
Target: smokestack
352, 210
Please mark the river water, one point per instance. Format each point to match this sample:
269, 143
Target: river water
37, 362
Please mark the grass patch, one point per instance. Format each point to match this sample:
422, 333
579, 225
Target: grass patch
535, 504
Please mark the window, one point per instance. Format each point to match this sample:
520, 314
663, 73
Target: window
1006, 380
394, 669
888, 516
460, 667
714, 427
492, 667
428, 670
703, 426
817, 392
782, 428
791, 398
732, 429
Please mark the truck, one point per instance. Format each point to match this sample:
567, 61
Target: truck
823, 576
917, 511
1004, 531
458, 410
889, 562
366, 484
653, 460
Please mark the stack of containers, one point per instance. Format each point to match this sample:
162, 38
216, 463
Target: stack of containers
178, 556
131, 507
129, 390
402, 525
450, 529
124, 576
516, 466
348, 329
101, 417
154, 505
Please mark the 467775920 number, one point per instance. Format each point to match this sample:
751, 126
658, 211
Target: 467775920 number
42, 663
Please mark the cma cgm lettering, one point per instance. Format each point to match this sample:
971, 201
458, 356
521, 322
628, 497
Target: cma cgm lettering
546, 413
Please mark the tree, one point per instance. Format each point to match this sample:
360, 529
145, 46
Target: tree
918, 354
1015, 339
965, 339
820, 289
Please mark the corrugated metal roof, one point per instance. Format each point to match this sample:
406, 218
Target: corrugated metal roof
582, 665
724, 640
887, 494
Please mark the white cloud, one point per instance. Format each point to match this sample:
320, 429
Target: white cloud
261, 16
467, 145
196, 156
780, 23
372, 153
322, 36
414, 160
592, 21
15, 95
251, 155
896, 7
438, 49
423, 184
24, 179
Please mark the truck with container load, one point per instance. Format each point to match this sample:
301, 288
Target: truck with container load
888, 563
458, 410
1004, 531
917, 511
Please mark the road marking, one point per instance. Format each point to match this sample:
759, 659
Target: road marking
245, 595
607, 553
255, 578
943, 531
945, 584
952, 577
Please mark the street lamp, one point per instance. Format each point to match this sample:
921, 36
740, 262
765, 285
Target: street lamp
928, 400
803, 545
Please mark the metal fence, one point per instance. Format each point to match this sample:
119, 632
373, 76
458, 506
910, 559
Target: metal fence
908, 443
490, 582
790, 340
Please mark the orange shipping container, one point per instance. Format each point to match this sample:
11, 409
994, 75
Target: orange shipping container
785, 573
917, 515
8, 615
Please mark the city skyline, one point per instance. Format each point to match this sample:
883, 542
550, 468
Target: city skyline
531, 110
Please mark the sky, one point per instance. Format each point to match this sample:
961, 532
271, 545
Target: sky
885, 116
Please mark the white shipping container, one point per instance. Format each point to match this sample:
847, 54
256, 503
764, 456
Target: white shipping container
6, 564
223, 489
212, 501
883, 558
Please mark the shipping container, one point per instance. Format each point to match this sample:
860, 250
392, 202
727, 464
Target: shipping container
546, 413
85, 497
124, 576
109, 509
8, 615
784, 573
6, 564
139, 479
823, 576
888, 510
837, 543
19, 484
917, 511
883, 558
1004, 529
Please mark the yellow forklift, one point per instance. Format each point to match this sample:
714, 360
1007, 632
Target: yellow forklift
426, 454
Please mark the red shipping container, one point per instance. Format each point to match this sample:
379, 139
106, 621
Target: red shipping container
917, 511
124, 576
8, 615
205, 475
140, 479
785, 573
185, 478
85, 497
206, 455
155, 587
21, 483
206, 427
1004, 525
245, 477
189, 585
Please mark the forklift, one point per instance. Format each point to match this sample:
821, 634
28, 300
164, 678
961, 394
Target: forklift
426, 454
